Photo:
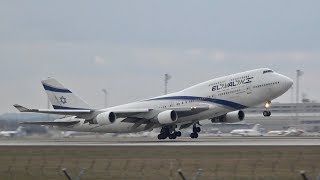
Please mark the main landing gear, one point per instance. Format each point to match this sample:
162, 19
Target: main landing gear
169, 132
267, 113
195, 131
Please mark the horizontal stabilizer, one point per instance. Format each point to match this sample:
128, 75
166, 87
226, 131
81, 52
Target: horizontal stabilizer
21, 108
52, 123
73, 112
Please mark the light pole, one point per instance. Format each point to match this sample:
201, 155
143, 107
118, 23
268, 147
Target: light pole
299, 73
167, 77
105, 97
48, 107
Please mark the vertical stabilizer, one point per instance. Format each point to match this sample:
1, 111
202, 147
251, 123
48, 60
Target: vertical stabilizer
61, 97
256, 127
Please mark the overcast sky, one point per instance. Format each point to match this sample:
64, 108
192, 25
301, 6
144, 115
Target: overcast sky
128, 46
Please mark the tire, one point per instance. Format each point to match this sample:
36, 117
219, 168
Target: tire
172, 136
162, 136
198, 129
178, 133
194, 135
269, 113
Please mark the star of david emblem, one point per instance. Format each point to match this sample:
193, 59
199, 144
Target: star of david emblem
63, 100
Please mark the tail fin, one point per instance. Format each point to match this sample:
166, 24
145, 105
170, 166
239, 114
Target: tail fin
19, 129
256, 127
61, 97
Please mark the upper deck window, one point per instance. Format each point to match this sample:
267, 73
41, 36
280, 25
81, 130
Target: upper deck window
267, 71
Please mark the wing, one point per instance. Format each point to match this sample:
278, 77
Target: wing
83, 113
135, 116
146, 118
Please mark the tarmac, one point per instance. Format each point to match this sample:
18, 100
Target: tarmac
148, 141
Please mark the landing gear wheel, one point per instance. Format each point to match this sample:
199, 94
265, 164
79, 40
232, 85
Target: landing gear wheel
194, 135
172, 136
169, 132
162, 136
266, 113
195, 131
177, 133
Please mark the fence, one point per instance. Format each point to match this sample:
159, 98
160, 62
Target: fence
220, 164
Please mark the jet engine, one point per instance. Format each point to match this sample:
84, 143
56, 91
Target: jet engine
167, 117
231, 117
105, 118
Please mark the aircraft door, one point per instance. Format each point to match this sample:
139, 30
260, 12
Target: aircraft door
249, 85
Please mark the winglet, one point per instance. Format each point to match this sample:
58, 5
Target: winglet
21, 108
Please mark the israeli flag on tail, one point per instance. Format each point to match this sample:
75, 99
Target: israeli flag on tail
61, 97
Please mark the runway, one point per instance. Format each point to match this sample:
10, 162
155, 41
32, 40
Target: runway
145, 141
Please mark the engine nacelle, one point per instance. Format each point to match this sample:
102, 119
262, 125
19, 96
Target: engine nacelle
232, 117
105, 118
167, 117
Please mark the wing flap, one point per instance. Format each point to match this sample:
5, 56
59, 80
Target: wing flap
144, 116
189, 111
51, 123
130, 112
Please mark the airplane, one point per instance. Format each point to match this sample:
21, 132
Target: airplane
221, 100
292, 131
18, 132
248, 132
72, 134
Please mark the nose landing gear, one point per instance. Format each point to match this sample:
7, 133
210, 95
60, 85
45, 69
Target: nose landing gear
267, 113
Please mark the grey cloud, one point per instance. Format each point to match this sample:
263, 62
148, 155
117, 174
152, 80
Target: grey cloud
139, 41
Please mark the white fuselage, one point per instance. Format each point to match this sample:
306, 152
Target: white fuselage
18, 132
289, 132
222, 95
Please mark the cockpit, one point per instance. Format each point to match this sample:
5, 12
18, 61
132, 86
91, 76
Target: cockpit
267, 71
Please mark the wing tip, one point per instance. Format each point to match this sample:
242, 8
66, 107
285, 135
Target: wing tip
21, 108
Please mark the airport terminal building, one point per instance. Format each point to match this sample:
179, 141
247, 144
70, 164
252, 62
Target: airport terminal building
305, 116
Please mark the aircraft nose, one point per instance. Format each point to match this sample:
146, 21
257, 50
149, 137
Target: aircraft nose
288, 82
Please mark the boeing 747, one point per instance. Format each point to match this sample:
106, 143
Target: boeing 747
221, 100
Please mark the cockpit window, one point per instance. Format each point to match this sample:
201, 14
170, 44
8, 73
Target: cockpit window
267, 71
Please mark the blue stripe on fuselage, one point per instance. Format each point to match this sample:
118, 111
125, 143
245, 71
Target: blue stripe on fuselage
54, 89
212, 100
